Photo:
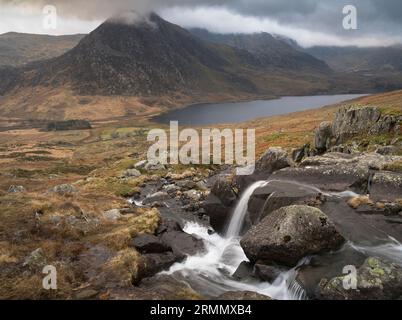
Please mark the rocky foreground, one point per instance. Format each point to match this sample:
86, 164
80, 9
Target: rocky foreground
317, 210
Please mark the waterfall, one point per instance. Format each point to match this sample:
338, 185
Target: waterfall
240, 212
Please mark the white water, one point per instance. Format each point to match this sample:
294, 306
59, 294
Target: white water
210, 272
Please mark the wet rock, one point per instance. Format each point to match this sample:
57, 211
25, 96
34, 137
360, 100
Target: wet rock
36, 259
274, 159
244, 271
112, 215
266, 272
376, 280
182, 244
156, 197
131, 173
186, 184
289, 234
242, 295
323, 136
171, 189
218, 204
64, 189
16, 189
157, 262
193, 195
146, 243
278, 194
386, 186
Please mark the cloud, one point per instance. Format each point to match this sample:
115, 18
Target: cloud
221, 20
308, 21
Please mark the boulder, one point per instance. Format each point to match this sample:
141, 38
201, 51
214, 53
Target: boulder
64, 189
112, 215
140, 164
299, 154
171, 235
244, 271
350, 121
278, 194
154, 167
219, 203
289, 234
131, 173
242, 295
376, 280
386, 186
157, 262
268, 273
323, 136
274, 159
147, 243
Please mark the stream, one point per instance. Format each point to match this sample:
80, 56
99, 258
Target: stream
211, 273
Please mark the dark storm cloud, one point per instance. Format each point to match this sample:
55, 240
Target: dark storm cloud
376, 18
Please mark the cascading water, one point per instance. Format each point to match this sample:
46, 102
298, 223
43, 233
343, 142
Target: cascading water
210, 273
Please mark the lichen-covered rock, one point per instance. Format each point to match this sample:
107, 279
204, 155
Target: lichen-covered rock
350, 121
64, 189
386, 186
16, 189
289, 234
323, 136
376, 280
274, 159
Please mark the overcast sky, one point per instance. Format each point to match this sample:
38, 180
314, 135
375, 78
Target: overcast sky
310, 22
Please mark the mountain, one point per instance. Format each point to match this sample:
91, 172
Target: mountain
142, 65
269, 50
20, 48
363, 60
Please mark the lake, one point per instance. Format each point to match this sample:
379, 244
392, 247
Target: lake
218, 113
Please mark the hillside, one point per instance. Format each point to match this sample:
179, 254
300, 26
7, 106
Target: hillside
268, 50
18, 48
149, 65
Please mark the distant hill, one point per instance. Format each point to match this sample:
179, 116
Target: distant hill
20, 48
364, 60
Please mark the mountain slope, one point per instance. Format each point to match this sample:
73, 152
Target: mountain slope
268, 50
19, 48
353, 59
147, 65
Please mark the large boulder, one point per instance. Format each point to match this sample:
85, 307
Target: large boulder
274, 159
277, 194
376, 280
289, 234
323, 136
147, 243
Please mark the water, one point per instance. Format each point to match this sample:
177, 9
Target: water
210, 273
208, 114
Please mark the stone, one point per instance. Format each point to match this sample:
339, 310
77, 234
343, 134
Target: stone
290, 234
86, 294
140, 164
16, 189
112, 215
147, 243
154, 167
386, 186
64, 189
377, 279
131, 173
323, 136
274, 159
36, 259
